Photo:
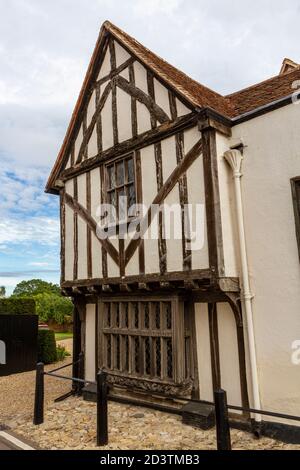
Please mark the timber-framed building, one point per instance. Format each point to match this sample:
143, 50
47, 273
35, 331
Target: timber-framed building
163, 319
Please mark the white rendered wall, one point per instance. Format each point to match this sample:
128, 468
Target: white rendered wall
203, 352
272, 157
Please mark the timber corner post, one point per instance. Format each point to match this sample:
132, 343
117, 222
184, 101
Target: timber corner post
39, 395
102, 418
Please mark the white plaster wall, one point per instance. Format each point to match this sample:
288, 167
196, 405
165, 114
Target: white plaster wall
229, 355
78, 142
174, 231
143, 118
174, 246
149, 185
121, 54
124, 115
95, 202
182, 110
196, 195
106, 66
112, 268
107, 127
93, 144
140, 77
203, 352
272, 157
227, 204
162, 97
91, 108
90, 342
125, 74
69, 244
81, 185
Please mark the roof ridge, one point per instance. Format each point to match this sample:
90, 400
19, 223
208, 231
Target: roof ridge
111, 26
191, 89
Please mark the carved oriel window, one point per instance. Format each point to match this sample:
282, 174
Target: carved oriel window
121, 184
296, 200
144, 339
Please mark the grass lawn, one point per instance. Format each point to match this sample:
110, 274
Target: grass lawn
62, 336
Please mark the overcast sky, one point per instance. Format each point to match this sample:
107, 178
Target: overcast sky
45, 47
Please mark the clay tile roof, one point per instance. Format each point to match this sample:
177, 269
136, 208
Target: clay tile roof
263, 93
197, 94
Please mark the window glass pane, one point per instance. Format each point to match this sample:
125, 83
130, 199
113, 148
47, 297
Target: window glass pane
122, 203
120, 174
111, 177
131, 195
130, 170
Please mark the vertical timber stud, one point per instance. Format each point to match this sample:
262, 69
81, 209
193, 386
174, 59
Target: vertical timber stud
62, 234
76, 345
212, 202
39, 395
102, 420
222, 420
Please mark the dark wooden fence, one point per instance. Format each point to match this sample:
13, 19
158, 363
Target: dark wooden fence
18, 337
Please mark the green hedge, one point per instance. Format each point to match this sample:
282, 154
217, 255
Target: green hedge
46, 347
17, 306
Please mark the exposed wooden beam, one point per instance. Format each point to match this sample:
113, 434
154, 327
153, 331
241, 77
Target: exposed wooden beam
147, 138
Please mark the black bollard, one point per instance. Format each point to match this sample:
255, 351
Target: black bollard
39, 395
80, 385
222, 420
102, 420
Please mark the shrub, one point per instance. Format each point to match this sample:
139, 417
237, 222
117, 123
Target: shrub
17, 306
46, 347
61, 353
53, 307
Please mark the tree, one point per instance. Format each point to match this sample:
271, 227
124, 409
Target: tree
2, 292
53, 307
35, 287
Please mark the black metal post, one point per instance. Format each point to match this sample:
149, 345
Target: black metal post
222, 420
80, 385
39, 395
102, 420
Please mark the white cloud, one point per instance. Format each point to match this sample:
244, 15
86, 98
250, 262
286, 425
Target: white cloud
42, 230
39, 265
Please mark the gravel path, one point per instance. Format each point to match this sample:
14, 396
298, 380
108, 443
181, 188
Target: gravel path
17, 393
72, 425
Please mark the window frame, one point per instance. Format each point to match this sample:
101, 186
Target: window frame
295, 185
179, 334
109, 190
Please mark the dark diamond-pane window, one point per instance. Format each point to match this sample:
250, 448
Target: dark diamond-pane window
126, 314
107, 315
157, 315
169, 358
147, 356
137, 354
108, 351
146, 316
168, 312
117, 315
158, 356
138, 339
136, 315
